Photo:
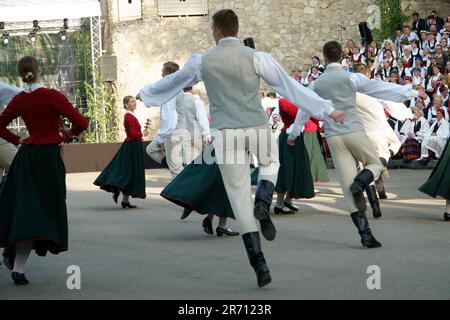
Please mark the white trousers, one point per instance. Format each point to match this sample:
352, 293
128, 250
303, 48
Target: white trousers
347, 150
232, 155
155, 152
181, 150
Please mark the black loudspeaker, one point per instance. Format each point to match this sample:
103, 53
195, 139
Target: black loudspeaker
366, 34
248, 42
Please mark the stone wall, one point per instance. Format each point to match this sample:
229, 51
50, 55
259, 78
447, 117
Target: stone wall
424, 7
291, 30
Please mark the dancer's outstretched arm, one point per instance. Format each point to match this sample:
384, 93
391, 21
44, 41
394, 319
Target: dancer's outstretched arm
161, 92
275, 76
383, 90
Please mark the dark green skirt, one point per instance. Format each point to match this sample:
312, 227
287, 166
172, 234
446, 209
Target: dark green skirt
33, 200
439, 182
316, 159
294, 175
199, 187
125, 172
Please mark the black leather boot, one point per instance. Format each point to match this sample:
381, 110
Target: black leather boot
446, 216
379, 184
263, 201
361, 182
361, 223
373, 200
252, 244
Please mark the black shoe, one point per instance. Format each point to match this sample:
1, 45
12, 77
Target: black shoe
281, 211
9, 256
446, 216
361, 223
263, 201
186, 213
227, 232
127, 205
207, 226
374, 203
19, 279
361, 182
116, 195
252, 244
290, 206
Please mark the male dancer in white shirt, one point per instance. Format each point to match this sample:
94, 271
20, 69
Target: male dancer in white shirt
157, 148
348, 142
231, 73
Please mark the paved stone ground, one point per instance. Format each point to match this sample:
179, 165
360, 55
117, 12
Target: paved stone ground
149, 253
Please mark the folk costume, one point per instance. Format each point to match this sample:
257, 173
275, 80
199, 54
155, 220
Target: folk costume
33, 214
231, 73
125, 173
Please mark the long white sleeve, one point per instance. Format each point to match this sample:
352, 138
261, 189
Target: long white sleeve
169, 119
382, 90
275, 76
297, 127
168, 87
7, 92
202, 118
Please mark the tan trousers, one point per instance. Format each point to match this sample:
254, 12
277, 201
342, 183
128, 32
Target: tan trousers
347, 150
181, 150
7, 153
233, 157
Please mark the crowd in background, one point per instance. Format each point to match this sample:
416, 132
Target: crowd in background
418, 56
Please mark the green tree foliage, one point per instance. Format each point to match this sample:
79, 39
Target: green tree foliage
392, 19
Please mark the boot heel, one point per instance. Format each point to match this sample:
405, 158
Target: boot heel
264, 279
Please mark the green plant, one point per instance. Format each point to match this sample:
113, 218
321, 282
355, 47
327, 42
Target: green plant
101, 111
392, 19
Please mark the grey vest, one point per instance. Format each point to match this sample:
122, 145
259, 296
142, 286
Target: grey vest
187, 117
232, 85
335, 85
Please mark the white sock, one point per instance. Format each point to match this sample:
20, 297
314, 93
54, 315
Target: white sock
23, 250
448, 207
280, 200
223, 223
126, 199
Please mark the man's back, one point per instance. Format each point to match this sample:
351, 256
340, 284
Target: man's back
187, 115
335, 85
233, 85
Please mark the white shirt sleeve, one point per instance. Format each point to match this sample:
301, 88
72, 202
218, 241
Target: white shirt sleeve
382, 90
299, 125
169, 119
168, 87
7, 92
275, 76
202, 118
